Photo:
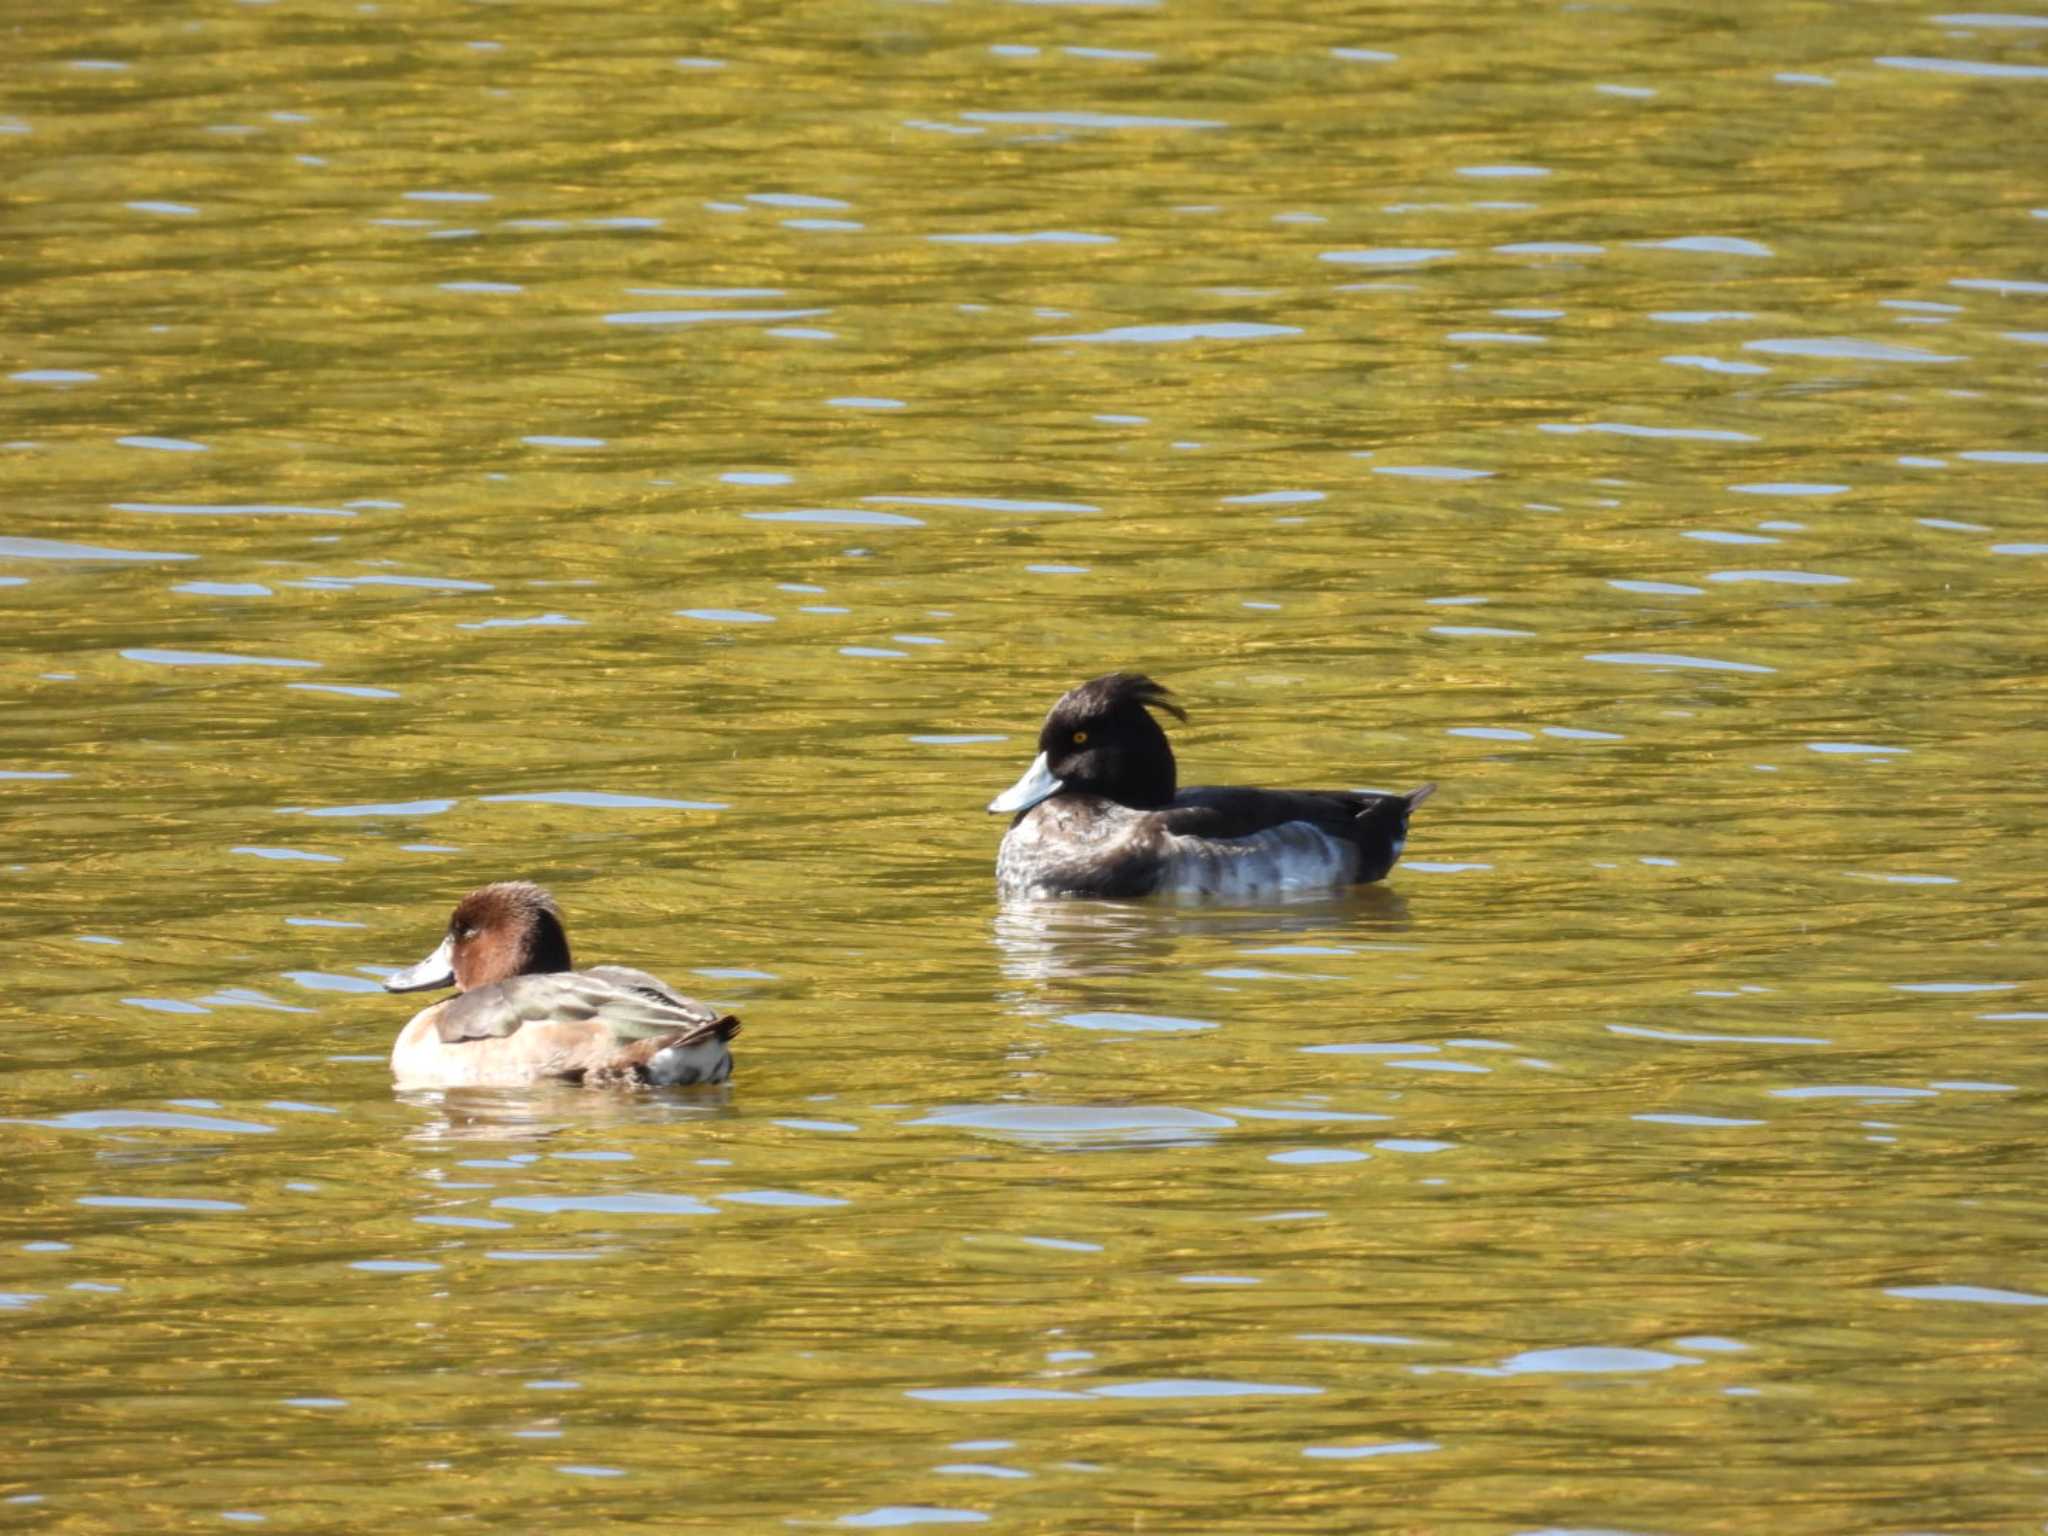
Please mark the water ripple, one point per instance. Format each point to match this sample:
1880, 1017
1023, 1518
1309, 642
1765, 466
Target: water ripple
1135, 1023
1169, 1388
1711, 245
2003, 456
1657, 588
1971, 67
150, 1120
1213, 330
321, 981
58, 549
609, 1205
1379, 1448
1432, 471
1388, 256
380, 808
346, 691
230, 509
1847, 348
1645, 1032
785, 1198
986, 503
889, 1516
710, 316
1783, 578
1024, 237
1666, 660
1981, 1295
387, 579
1108, 120
1082, 1123
1591, 1360
535, 621
847, 516
1713, 364
1632, 429
594, 799
163, 444
164, 658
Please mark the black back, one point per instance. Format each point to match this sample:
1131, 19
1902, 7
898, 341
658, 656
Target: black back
1376, 825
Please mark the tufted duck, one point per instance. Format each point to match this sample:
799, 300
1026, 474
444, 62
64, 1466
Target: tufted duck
1098, 814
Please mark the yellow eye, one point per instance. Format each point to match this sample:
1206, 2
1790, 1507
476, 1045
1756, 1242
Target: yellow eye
1080, 738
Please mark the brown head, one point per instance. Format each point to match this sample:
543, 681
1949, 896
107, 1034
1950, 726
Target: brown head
497, 932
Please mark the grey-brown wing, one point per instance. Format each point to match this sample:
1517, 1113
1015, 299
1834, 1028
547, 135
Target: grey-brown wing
635, 1009
654, 986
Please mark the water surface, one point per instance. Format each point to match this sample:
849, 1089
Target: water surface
679, 458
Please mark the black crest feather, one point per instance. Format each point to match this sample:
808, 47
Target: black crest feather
1104, 694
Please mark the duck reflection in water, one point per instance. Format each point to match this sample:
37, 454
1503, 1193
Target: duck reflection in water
1050, 940
522, 1015
1099, 813
542, 1111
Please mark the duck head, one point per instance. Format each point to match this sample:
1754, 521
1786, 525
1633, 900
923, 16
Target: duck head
1101, 739
497, 932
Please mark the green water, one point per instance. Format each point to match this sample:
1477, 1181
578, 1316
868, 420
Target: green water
679, 457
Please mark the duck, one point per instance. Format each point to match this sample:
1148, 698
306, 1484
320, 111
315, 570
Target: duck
1100, 813
523, 1014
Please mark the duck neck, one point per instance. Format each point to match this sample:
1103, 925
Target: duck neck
1144, 779
547, 946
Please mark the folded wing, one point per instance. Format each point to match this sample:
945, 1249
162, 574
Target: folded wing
631, 1005
1231, 840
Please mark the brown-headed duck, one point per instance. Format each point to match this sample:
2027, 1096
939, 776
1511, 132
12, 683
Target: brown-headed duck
522, 1014
1099, 813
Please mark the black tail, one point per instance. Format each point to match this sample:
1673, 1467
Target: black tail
1382, 833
